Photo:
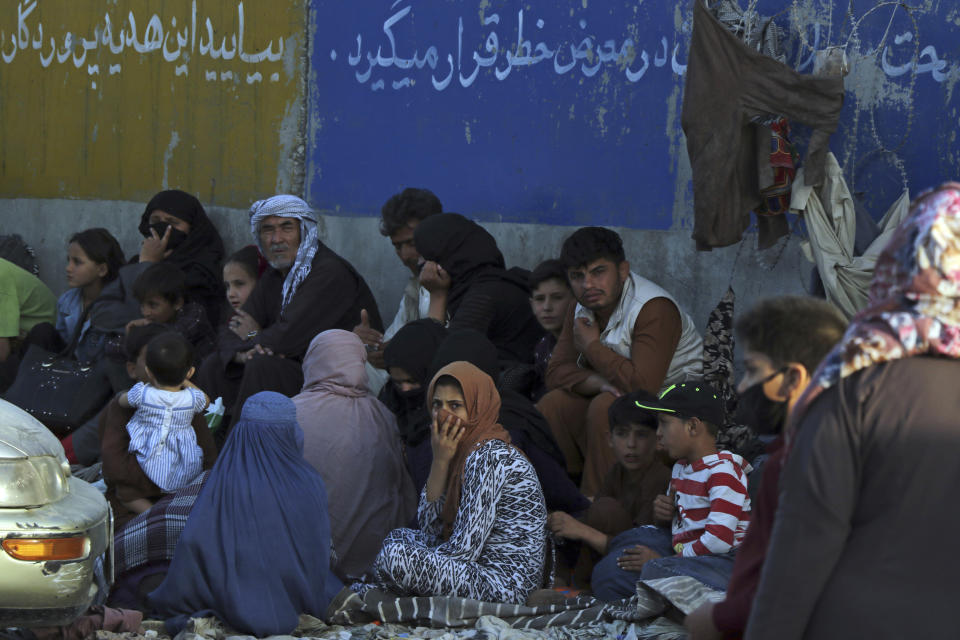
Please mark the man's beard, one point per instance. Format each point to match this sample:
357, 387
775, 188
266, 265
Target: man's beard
592, 306
282, 263
613, 300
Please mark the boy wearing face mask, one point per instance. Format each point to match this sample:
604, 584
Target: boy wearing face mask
784, 341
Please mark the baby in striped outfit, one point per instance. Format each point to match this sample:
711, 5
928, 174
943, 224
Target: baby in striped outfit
161, 434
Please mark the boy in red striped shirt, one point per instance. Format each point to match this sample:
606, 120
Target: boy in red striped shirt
707, 504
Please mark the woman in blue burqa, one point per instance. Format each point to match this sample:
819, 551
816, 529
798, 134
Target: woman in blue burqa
255, 551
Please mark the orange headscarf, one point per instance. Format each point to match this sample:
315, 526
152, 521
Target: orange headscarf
482, 403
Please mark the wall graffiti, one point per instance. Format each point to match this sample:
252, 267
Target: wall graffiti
568, 112
133, 96
175, 45
520, 53
509, 110
563, 112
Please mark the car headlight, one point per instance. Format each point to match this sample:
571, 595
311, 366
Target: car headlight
31, 482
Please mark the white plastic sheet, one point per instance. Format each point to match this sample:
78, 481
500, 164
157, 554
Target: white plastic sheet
831, 224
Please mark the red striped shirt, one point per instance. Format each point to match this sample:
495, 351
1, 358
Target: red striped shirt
713, 507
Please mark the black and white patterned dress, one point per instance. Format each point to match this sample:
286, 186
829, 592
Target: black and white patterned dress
496, 550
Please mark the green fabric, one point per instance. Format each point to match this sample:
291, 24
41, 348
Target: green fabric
24, 301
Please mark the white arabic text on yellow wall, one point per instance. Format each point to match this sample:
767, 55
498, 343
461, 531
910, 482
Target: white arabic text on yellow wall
116, 100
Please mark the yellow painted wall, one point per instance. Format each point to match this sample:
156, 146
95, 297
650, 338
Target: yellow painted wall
88, 111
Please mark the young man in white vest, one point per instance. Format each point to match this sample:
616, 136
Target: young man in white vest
624, 334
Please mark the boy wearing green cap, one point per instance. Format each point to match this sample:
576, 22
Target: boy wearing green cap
705, 512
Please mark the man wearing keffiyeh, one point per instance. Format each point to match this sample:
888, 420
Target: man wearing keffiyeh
308, 289
285, 228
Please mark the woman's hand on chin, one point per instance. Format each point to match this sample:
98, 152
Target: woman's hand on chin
434, 279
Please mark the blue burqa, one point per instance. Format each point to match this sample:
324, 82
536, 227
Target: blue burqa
255, 551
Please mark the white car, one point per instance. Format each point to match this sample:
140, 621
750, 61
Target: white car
53, 527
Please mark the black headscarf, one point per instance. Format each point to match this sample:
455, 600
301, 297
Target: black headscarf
471, 346
200, 253
517, 413
412, 349
463, 248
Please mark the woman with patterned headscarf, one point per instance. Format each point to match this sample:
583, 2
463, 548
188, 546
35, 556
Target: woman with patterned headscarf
306, 290
861, 541
482, 516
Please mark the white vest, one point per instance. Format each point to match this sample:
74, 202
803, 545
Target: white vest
687, 360
414, 305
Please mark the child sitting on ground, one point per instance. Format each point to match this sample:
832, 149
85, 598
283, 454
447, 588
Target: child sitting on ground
160, 430
707, 502
625, 499
161, 291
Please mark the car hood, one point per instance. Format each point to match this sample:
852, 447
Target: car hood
22, 435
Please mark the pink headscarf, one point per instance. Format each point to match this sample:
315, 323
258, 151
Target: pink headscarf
914, 306
351, 438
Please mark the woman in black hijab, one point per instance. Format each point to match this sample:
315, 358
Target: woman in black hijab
176, 231
465, 270
527, 427
193, 245
408, 356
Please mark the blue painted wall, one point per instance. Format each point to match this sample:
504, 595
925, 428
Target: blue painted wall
568, 111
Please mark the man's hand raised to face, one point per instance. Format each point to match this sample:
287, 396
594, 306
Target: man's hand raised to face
585, 333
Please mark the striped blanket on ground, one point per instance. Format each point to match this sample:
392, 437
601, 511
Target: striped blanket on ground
152, 536
654, 598
641, 617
